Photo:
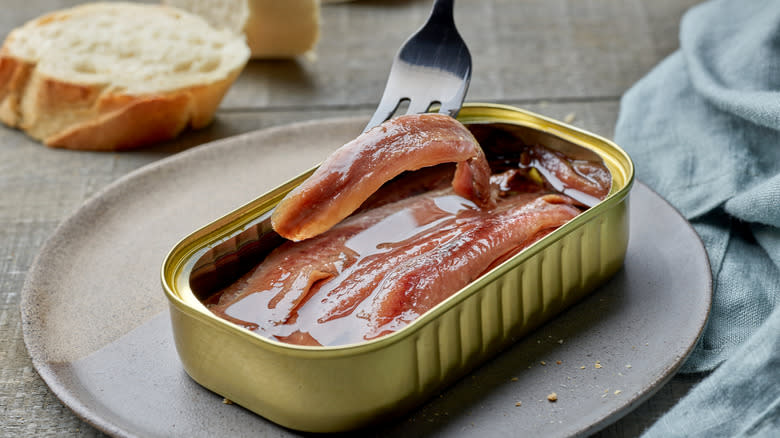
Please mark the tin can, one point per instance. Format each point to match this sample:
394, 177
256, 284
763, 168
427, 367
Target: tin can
331, 389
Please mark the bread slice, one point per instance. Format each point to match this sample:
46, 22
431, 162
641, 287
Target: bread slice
273, 28
108, 76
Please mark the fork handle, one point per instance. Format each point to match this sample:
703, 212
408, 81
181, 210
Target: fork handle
442, 8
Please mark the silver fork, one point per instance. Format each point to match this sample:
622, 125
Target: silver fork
432, 67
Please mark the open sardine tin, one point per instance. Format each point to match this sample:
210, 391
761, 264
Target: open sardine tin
329, 389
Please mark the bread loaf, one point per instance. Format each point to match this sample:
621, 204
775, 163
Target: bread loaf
107, 76
273, 28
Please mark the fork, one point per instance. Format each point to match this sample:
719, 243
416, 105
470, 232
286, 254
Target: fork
432, 67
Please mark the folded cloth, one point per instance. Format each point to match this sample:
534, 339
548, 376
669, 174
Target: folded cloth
739, 399
704, 131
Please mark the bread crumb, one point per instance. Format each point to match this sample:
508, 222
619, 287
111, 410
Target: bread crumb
617, 391
543, 363
227, 401
552, 397
518, 404
628, 366
560, 341
582, 367
597, 365
570, 117
558, 362
514, 379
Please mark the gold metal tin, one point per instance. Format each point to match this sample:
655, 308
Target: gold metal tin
328, 389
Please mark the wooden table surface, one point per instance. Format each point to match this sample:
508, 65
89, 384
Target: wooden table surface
568, 59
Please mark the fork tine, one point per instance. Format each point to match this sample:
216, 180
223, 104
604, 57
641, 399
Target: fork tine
452, 106
417, 106
384, 110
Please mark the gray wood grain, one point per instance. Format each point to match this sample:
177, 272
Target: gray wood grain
522, 50
561, 58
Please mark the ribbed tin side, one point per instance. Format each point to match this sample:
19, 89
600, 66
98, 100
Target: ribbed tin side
521, 299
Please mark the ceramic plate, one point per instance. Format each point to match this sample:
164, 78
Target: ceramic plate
96, 322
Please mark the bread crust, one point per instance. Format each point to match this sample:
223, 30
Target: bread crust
71, 115
125, 122
14, 74
139, 121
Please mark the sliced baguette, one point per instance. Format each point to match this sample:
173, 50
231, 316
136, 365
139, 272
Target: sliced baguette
108, 76
273, 28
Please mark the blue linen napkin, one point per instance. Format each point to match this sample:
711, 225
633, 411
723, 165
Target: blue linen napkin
704, 131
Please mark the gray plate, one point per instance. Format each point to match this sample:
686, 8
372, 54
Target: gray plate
96, 322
